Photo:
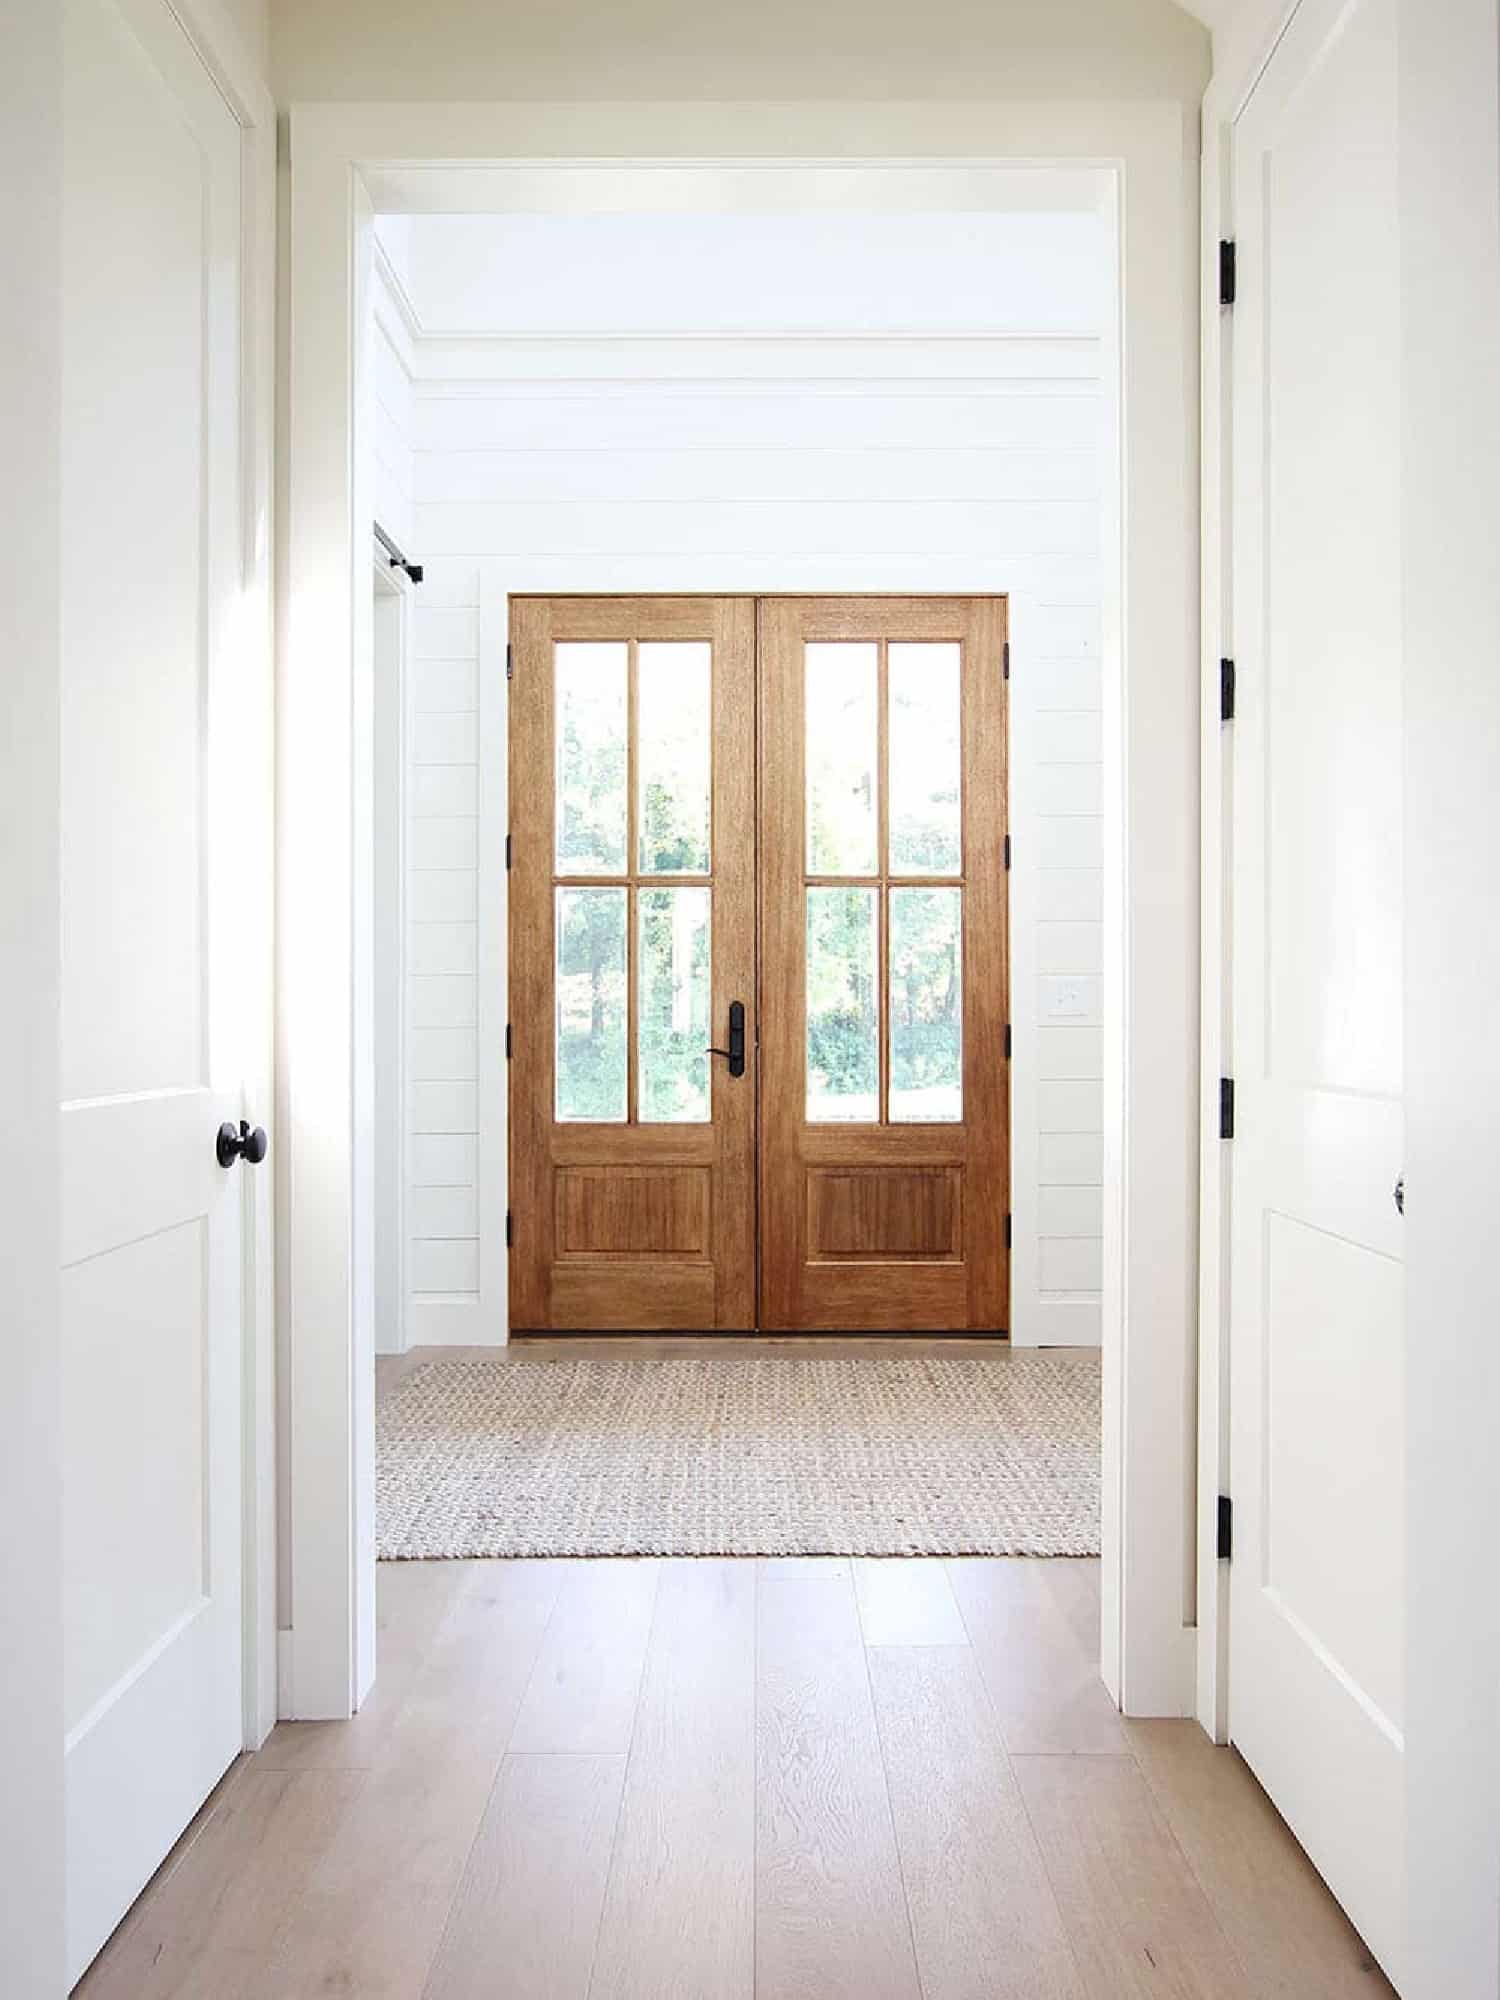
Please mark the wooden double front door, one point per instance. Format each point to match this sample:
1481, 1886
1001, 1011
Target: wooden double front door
758, 968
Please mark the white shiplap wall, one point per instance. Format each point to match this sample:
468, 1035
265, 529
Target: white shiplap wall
442, 903
440, 856
391, 375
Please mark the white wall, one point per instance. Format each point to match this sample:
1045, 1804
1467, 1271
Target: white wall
479, 51
958, 455
31, 1725
391, 369
443, 887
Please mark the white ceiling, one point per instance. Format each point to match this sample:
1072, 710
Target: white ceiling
934, 274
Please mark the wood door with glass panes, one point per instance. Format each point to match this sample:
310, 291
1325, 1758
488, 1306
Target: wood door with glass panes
885, 1120
632, 954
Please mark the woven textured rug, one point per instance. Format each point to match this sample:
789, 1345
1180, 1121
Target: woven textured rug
742, 1455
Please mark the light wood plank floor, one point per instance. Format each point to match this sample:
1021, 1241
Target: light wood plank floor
799, 1779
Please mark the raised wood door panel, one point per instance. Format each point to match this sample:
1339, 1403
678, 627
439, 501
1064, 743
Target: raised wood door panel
885, 1123
632, 930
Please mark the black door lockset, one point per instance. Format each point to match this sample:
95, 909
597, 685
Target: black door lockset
736, 1050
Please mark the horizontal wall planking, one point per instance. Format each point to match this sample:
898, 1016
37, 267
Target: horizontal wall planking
1045, 581
445, 1109
395, 509
451, 1319
769, 357
448, 585
443, 631
1069, 1106
1071, 1263
442, 1055
1056, 630
1070, 895
1065, 684
432, 948
1069, 947
1073, 840
443, 1265
394, 499
443, 791
1026, 530
1070, 1159
1066, 1054
394, 389
443, 687
442, 895
451, 1214
450, 843
813, 474
1063, 789
1069, 1211
1066, 736
445, 739
442, 1159
441, 1000
720, 416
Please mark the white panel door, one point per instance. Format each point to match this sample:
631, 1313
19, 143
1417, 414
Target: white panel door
152, 842
1315, 1689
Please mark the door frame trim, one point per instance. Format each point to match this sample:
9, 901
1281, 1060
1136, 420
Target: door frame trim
1151, 932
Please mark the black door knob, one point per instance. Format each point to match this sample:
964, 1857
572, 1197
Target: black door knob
240, 1143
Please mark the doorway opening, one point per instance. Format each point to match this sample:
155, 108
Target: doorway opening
759, 992
856, 525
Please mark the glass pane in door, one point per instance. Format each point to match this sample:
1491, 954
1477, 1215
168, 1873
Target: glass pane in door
843, 756
926, 989
591, 1006
592, 701
672, 1014
674, 731
924, 758
843, 1006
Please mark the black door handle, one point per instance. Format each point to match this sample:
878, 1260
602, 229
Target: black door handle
736, 1050
240, 1144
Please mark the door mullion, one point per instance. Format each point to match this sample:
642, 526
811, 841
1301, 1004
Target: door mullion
883, 868
632, 862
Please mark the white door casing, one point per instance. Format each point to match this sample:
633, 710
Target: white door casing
1317, 1366
155, 1026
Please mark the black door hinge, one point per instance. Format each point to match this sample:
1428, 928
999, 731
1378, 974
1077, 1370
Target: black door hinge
1225, 1540
510, 1229
509, 1047
510, 661
1007, 1229
1006, 657
1007, 1041
507, 850
1007, 850
1226, 1107
1226, 690
1226, 273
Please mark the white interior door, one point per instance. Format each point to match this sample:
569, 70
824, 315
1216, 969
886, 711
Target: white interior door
152, 1057
1315, 1689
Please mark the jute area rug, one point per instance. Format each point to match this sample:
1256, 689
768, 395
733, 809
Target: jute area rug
742, 1455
